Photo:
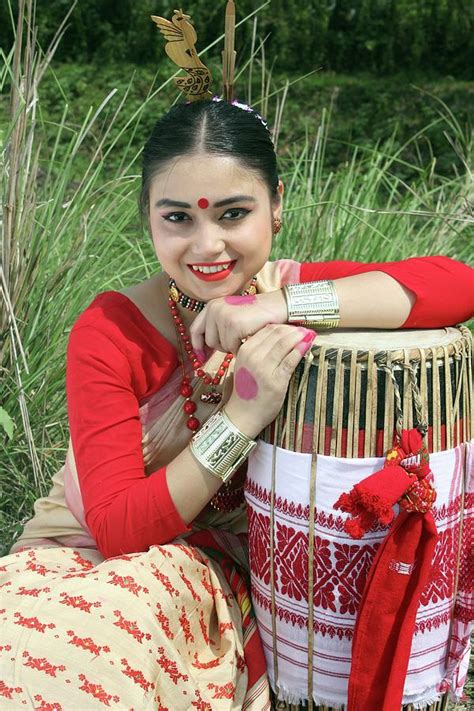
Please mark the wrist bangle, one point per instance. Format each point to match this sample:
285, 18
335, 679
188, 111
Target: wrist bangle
220, 447
313, 303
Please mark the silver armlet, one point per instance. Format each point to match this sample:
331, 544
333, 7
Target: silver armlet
313, 303
220, 447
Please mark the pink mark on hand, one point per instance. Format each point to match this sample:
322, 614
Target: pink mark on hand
245, 384
240, 300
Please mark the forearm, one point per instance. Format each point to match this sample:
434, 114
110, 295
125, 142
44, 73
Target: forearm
154, 510
370, 300
190, 485
443, 288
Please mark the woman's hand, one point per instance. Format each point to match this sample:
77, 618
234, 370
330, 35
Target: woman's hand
263, 368
225, 322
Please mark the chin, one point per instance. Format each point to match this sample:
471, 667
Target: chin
217, 292
234, 284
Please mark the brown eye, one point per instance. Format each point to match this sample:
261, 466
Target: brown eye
175, 217
235, 213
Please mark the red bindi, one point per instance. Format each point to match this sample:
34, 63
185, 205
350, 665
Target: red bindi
203, 203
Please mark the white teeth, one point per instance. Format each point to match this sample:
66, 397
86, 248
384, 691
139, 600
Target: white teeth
211, 270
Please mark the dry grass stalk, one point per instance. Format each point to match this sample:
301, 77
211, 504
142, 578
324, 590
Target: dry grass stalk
19, 264
20, 153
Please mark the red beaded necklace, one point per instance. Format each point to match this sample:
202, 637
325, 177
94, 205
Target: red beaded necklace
186, 389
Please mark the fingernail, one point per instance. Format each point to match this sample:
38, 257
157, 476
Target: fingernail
307, 332
306, 342
309, 336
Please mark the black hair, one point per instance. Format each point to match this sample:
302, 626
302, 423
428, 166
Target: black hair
211, 127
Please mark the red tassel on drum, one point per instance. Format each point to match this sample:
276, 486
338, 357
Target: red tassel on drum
386, 617
405, 478
372, 499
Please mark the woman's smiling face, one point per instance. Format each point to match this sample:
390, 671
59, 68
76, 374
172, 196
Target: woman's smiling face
207, 209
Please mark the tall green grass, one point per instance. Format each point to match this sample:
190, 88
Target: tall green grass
71, 229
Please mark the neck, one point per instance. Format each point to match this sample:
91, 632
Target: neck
190, 305
186, 315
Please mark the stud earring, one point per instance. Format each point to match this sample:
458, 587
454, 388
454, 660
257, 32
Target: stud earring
276, 225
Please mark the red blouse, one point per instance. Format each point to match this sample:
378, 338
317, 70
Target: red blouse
116, 358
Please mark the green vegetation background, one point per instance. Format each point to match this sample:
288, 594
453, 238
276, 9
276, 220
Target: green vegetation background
375, 149
385, 36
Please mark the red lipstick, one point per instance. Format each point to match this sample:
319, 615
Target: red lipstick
216, 276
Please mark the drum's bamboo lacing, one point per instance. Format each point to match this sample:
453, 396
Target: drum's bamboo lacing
272, 557
370, 406
351, 428
398, 400
436, 402
344, 369
311, 581
458, 553
309, 357
448, 397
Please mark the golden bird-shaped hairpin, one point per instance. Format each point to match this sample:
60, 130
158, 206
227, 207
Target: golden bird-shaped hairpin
180, 47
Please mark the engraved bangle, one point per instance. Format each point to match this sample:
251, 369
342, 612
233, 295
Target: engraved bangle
220, 447
313, 303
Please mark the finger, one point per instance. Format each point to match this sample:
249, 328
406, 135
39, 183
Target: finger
291, 351
231, 341
212, 337
274, 342
267, 335
291, 360
197, 331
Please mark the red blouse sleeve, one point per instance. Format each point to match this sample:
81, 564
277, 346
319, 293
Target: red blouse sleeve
444, 288
125, 510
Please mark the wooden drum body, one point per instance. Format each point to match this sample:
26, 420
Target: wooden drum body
344, 405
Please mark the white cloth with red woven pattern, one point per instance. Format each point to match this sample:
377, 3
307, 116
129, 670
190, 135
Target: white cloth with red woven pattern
440, 650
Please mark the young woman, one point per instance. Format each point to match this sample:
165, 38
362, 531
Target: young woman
127, 588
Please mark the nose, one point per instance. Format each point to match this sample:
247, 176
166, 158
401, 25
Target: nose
208, 243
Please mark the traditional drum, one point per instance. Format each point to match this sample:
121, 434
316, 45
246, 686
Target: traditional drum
345, 404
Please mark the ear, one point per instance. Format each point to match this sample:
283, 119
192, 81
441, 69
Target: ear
277, 203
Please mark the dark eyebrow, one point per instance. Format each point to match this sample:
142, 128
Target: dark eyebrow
171, 203
237, 198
